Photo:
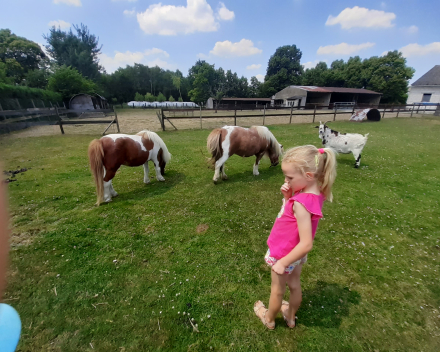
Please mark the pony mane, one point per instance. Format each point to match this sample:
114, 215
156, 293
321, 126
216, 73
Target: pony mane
264, 133
156, 140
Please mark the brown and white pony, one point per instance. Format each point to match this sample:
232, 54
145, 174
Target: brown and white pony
107, 154
229, 140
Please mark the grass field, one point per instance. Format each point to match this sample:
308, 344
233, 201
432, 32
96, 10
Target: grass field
129, 275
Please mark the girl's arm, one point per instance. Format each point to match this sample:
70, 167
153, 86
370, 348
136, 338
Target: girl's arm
304, 221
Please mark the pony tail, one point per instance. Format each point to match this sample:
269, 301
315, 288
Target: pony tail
96, 153
214, 144
328, 175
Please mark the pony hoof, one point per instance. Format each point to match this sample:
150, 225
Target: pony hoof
108, 200
147, 182
224, 177
161, 179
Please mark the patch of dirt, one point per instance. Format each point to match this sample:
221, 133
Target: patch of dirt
11, 174
202, 228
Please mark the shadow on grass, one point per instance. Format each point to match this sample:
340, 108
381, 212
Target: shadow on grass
143, 191
247, 176
326, 305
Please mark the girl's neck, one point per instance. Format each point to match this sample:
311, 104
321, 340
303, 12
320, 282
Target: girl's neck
311, 188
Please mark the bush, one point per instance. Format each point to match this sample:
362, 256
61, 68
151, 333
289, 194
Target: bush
150, 97
161, 98
171, 98
138, 97
180, 99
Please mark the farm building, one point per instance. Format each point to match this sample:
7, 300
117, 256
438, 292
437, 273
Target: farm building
426, 89
237, 103
325, 96
87, 102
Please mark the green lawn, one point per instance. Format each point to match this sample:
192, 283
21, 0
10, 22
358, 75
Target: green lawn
128, 275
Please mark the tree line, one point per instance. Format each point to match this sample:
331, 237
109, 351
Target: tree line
72, 66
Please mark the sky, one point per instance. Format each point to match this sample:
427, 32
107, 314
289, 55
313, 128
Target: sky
239, 35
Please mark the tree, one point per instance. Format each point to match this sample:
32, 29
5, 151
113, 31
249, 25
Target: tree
177, 81
138, 97
284, 68
161, 98
68, 81
316, 76
203, 77
19, 56
180, 99
389, 75
78, 50
255, 88
171, 98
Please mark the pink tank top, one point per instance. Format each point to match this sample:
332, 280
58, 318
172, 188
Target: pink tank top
284, 235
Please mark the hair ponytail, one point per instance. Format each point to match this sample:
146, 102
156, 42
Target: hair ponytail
326, 173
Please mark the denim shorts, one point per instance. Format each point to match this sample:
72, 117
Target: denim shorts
271, 261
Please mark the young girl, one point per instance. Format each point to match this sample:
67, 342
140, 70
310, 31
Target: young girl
309, 174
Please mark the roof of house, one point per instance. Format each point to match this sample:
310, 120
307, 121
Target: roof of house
430, 78
336, 90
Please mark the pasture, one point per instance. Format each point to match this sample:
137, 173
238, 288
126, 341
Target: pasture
131, 275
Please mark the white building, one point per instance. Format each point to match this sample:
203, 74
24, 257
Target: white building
427, 88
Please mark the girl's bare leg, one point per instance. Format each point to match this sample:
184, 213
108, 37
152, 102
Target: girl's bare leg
277, 289
294, 284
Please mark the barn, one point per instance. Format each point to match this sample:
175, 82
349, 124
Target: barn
325, 96
87, 102
426, 90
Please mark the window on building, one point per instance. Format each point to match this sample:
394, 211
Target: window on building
426, 97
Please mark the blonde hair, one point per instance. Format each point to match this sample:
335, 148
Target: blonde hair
308, 158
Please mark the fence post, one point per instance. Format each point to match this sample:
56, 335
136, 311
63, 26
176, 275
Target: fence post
314, 114
162, 120
18, 103
200, 117
334, 115
398, 110
32, 101
352, 110
235, 116
264, 114
384, 109
412, 110
291, 109
424, 110
1, 109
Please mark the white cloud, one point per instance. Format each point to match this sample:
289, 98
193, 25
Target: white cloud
420, 50
244, 47
310, 64
412, 29
260, 78
146, 57
253, 67
343, 48
68, 2
197, 16
224, 14
60, 23
124, 0
129, 12
362, 17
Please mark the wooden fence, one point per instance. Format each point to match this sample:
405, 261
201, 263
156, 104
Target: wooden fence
14, 120
290, 112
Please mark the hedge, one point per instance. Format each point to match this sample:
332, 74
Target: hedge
22, 92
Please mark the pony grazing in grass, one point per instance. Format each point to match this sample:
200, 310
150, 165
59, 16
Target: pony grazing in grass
229, 140
107, 154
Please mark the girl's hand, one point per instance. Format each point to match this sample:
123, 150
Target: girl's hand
279, 268
286, 190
